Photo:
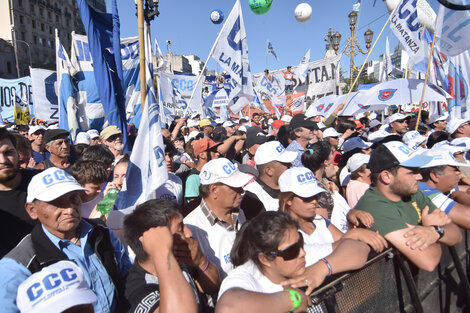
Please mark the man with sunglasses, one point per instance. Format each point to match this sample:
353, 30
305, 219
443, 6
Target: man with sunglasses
440, 182
458, 128
111, 137
36, 136
271, 160
398, 124
58, 144
402, 214
302, 131
215, 222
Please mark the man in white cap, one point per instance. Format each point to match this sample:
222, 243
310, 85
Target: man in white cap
398, 123
94, 137
439, 123
271, 160
68, 292
458, 128
36, 136
228, 125
440, 182
402, 214
54, 199
216, 220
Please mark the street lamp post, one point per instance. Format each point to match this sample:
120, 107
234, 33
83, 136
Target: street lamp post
352, 47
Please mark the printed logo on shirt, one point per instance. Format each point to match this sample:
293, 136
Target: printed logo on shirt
227, 258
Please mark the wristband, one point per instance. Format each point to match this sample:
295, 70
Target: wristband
295, 298
205, 267
330, 270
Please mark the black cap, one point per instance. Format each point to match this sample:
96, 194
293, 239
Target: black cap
52, 134
382, 159
255, 135
300, 120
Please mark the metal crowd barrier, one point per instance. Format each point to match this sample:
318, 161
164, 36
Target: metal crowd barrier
388, 283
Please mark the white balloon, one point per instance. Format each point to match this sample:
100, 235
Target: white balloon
426, 15
303, 12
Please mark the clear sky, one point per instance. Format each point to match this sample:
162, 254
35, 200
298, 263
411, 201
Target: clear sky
187, 24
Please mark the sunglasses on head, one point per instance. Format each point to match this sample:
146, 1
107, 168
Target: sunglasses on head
290, 252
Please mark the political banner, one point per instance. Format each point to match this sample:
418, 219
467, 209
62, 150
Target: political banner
176, 90
405, 26
16, 99
323, 77
453, 31
230, 51
45, 101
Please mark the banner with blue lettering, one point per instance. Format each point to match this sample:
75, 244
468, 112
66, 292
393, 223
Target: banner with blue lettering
176, 90
453, 31
46, 105
405, 26
231, 53
16, 99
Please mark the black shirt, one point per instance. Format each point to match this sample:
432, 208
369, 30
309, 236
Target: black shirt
15, 222
251, 205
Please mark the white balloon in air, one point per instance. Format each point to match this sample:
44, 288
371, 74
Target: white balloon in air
426, 15
303, 12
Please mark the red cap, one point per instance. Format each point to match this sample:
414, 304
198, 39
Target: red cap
277, 124
358, 124
204, 144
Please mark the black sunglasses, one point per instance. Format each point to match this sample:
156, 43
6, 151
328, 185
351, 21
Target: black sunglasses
290, 252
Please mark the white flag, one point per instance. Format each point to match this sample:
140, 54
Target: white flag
302, 70
386, 63
162, 63
453, 31
404, 24
270, 49
147, 167
231, 52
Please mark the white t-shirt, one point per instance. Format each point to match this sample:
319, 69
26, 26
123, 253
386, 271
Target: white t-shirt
320, 243
215, 241
172, 190
339, 216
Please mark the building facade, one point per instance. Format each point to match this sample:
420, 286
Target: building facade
31, 25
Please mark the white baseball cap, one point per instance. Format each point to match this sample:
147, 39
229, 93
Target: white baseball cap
193, 134
442, 157
301, 181
413, 139
273, 151
437, 118
356, 161
50, 184
396, 117
455, 123
354, 143
93, 133
35, 128
192, 123
83, 138
330, 132
461, 142
227, 124
223, 171
374, 123
54, 289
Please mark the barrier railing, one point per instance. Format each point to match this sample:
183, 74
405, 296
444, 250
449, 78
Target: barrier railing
388, 283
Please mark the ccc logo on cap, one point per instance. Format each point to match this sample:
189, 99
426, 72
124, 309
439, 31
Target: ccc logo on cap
51, 281
280, 148
229, 168
306, 177
56, 176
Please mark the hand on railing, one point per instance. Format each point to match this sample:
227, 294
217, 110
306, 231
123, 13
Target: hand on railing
373, 239
356, 217
420, 237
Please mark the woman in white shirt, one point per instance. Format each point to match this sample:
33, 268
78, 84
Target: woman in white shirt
270, 264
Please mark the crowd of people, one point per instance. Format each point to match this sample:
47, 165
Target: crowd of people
256, 213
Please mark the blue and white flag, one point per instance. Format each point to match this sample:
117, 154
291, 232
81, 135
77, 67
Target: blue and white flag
147, 167
270, 49
176, 90
453, 31
231, 53
356, 6
301, 71
404, 24
45, 102
162, 63
386, 63
103, 38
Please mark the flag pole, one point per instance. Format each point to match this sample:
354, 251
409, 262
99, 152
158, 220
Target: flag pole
204, 68
431, 57
341, 106
266, 55
140, 26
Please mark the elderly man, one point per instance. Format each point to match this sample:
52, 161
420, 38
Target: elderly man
58, 144
271, 160
54, 200
216, 220
15, 223
402, 214
111, 137
302, 130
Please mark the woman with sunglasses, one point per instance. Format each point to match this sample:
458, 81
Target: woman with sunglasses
268, 251
299, 198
